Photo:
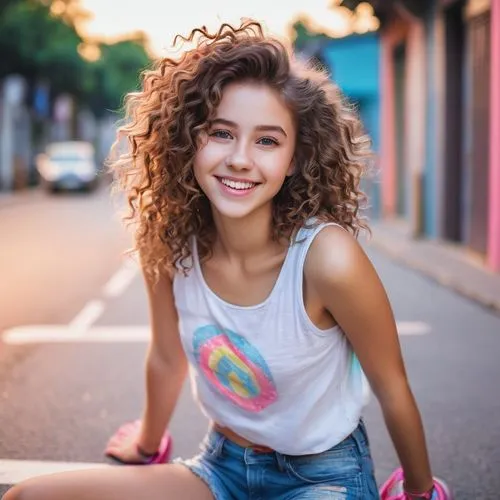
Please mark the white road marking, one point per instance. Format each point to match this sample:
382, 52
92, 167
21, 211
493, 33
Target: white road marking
119, 282
413, 328
46, 334
57, 334
15, 471
88, 315
79, 330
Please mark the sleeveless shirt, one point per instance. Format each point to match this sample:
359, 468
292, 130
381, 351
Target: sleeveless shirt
266, 371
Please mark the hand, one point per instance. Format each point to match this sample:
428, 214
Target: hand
122, 446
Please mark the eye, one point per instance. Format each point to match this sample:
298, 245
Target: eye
221, 134
268, 141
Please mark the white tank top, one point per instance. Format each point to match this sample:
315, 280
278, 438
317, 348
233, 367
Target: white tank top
266, 371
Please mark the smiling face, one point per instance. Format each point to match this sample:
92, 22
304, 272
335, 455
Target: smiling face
244, 160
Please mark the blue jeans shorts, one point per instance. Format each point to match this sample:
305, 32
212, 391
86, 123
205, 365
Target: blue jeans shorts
344, 472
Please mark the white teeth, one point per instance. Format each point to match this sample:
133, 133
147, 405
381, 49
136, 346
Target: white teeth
237, 184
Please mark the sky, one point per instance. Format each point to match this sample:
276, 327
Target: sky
162, 20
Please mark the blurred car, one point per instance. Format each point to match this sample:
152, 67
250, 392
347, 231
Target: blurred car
68, 165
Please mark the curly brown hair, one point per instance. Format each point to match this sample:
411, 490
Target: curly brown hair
167, 117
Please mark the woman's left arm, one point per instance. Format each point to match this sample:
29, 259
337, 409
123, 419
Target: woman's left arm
342, 275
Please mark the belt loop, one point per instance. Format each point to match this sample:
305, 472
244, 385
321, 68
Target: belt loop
219, 444
281, 461
364, 432
358, 435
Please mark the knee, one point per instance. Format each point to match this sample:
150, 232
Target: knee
21, 492
13, 493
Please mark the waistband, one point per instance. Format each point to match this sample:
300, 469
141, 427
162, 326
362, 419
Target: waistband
238, 440
219, 437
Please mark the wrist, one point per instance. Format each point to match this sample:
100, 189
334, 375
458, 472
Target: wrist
145, 455
145, 445
414, 494
145, 452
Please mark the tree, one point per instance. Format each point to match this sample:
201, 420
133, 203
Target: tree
40, 41
70, 11
116, 73
304, 37
39, 45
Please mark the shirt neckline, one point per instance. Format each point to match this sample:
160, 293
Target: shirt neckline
225, 303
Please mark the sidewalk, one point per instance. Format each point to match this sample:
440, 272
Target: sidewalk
448, 264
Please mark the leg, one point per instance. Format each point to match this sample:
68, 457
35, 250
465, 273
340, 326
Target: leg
154, 482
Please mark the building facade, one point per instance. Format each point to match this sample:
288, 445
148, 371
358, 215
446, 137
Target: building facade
360, 82
440, 121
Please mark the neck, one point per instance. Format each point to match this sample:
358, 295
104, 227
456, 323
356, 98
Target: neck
244, 238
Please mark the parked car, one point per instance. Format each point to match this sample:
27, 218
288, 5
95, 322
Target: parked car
68, 165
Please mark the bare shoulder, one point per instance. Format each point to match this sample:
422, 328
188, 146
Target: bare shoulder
336, 259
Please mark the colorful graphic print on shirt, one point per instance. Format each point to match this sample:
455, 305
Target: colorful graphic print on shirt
234, 367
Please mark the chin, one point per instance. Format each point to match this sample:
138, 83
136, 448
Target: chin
232, 212
237, 209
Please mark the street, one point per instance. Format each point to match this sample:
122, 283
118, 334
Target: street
73, 314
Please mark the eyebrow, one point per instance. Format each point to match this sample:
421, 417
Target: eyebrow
262, 128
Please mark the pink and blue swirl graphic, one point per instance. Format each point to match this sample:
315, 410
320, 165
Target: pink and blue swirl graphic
234, 367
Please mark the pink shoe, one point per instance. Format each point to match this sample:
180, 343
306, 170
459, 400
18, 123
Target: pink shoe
392, 489
130, 429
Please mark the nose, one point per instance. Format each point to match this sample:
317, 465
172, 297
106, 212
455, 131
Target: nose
240, 159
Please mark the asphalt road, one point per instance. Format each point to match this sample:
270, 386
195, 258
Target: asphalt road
66, 291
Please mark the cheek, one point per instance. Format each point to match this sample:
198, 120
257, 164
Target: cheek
278, 167
207, 157
201, 162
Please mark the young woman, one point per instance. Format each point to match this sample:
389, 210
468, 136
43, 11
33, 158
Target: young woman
243, 176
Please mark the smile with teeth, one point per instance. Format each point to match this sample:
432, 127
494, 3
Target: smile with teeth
238, 185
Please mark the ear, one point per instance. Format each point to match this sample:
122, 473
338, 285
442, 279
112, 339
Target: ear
291, 169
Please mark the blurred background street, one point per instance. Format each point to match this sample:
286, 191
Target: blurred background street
425, 76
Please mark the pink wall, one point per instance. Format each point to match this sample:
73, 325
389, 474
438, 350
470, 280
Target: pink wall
387, 145
494, 208
415, 114
402, 28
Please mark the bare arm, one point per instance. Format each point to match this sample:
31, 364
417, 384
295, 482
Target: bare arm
166, 364
352, 293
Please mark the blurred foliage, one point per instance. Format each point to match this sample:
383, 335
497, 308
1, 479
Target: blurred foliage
303, 36
38, 45
40, 41
115, 73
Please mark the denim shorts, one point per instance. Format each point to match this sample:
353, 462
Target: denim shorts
344, 472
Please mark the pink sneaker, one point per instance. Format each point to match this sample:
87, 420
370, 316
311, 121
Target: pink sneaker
392, 489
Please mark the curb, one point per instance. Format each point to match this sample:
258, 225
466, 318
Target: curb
442, 279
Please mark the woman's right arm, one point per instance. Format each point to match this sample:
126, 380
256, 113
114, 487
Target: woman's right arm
166, 364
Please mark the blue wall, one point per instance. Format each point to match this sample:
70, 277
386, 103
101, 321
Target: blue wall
430, 174
354, 63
